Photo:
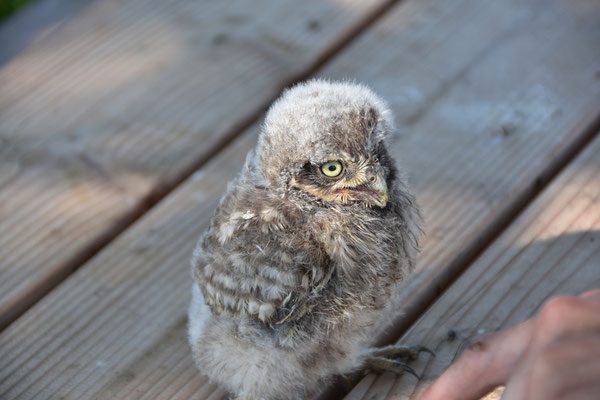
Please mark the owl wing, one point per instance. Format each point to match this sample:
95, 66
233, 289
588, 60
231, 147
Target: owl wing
254, 269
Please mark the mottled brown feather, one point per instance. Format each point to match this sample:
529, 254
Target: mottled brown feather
297, 281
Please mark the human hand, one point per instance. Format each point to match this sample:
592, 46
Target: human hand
555, 355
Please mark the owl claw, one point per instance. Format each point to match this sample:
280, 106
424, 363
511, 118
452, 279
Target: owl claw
396, 352
379, 365
387, 359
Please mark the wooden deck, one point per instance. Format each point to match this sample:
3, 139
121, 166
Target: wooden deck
122, 121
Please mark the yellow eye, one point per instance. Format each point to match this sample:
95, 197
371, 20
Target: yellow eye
332, 169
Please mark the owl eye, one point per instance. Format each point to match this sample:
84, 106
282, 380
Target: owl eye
332, 169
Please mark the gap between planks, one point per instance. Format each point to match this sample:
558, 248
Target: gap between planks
117, 251
497, 226
550, 249
39, 288
434, 289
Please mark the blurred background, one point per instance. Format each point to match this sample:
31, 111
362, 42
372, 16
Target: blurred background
121, 122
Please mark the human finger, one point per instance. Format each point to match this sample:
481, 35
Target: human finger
564, 316
490, 360
560, 344
593, 295
486, 364
566, 369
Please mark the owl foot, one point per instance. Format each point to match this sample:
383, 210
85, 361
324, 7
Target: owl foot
397, 352
388, 359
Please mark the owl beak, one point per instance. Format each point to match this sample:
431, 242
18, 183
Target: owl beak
378, 191
380, 197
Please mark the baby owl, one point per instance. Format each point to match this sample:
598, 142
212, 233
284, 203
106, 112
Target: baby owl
301, 265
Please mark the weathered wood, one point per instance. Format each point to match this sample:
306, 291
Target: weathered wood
488, 95
477, 86
122, 311
117, 103
552, 248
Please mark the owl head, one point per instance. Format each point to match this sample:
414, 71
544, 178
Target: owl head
326, 139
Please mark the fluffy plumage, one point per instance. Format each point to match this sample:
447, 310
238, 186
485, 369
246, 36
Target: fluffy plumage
299, 270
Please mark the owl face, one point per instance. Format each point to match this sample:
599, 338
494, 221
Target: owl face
326, 139
346, 178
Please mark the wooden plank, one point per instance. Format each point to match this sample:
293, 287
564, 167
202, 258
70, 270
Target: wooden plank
29, 22
135, 293
113, 325
552, 248
116, 103
477, 86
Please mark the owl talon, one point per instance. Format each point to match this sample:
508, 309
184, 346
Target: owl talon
387, 359
379, 365
396, 352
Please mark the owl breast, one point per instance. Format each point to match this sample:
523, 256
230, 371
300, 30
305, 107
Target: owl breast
268, 259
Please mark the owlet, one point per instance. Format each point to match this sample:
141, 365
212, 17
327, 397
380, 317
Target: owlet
300, 267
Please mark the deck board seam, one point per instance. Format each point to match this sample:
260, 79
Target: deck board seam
163, 189
439, 284
499, 224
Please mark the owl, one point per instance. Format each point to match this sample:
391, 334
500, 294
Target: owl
301, 264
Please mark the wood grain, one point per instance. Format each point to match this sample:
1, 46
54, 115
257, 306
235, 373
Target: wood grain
489, 96
124, 311
114, 104
552, 248
477, 87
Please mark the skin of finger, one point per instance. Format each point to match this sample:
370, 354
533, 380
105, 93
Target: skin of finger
593, 295
562, 317
559, 320
589, 392
566, 369
486, 364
